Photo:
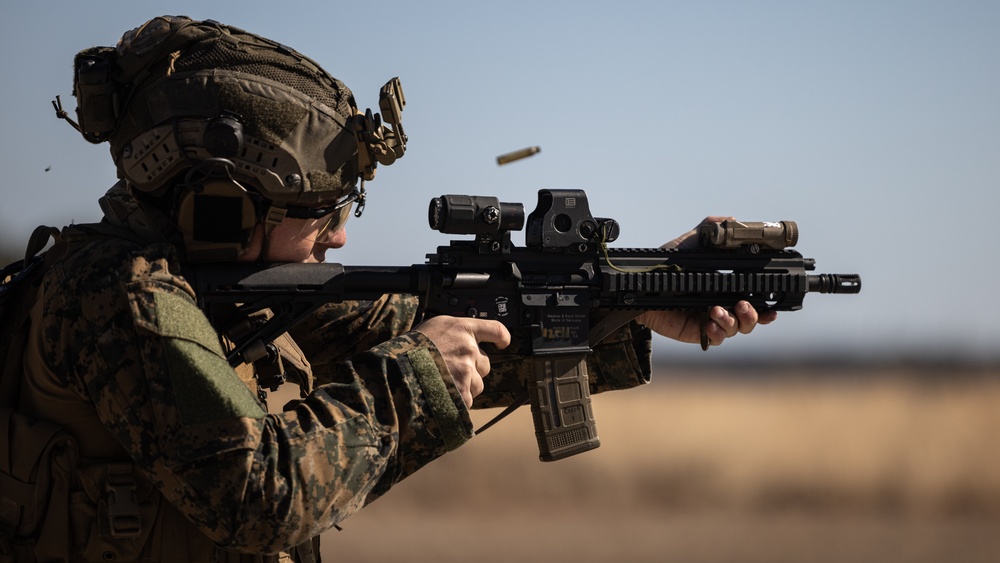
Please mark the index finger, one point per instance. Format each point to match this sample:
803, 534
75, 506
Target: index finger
493, 332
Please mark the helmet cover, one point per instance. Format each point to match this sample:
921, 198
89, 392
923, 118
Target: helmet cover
163, 94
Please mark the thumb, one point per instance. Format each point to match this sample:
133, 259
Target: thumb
493, 332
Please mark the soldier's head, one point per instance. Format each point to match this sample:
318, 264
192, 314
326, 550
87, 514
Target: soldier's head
230, 133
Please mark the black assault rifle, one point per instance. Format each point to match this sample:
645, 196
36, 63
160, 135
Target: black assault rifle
544, 292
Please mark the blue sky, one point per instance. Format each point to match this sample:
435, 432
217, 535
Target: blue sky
875, 125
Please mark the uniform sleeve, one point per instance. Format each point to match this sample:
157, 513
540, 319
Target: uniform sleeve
339, 331
621, 360
154, 369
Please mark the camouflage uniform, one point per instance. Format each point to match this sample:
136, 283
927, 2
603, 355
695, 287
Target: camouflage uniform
121, 356
178, 458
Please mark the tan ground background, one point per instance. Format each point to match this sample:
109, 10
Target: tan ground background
880, 466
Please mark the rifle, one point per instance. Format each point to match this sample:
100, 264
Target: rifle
544, 292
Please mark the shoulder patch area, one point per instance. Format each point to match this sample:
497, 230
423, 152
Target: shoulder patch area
205, 387
178, 317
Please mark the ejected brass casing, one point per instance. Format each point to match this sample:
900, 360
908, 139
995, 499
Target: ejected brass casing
517, 155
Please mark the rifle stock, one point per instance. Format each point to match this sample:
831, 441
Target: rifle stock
545, 293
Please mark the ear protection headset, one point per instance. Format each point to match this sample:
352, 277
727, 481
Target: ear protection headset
213, 210
217, 218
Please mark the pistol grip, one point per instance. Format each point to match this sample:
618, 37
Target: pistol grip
560, 406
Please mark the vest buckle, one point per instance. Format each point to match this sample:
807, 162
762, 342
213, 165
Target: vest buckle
124, 519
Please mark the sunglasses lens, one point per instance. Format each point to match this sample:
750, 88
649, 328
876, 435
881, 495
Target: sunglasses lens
321, 227
320, 223
335, 220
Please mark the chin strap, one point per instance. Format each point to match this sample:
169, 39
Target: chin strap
274, 216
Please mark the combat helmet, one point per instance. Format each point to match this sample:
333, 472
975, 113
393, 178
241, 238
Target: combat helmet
230, 129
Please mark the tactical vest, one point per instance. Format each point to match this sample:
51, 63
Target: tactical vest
56, 505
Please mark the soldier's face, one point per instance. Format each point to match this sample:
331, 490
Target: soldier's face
296, 240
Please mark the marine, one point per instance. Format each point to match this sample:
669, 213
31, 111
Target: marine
127, 436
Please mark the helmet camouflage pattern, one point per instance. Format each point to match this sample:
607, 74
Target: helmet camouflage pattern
175, 92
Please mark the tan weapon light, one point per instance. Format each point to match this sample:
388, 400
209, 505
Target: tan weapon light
736, 234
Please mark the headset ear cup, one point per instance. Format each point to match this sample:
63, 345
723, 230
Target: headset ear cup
217, 219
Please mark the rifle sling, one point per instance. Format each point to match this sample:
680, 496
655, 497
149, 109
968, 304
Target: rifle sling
516, 404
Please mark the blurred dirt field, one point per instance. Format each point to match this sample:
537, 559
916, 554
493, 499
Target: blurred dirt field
883, 466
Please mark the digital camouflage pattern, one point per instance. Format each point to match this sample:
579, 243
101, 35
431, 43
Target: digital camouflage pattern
621, 361
120, 355
179, 457
123, 358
